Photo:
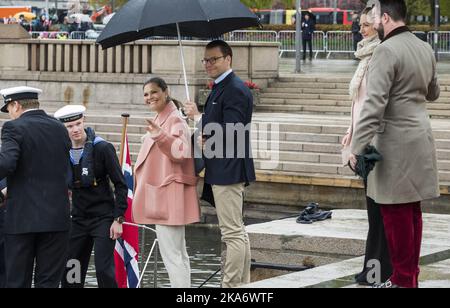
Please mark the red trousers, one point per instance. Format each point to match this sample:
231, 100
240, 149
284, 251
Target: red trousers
403, 228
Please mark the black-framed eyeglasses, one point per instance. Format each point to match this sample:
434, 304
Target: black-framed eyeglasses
212, 60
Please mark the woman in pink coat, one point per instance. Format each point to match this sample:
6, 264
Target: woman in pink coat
166, 193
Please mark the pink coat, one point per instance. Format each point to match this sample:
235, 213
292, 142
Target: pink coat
165, 181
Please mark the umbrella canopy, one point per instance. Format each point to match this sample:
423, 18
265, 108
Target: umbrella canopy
27, 15
197, 18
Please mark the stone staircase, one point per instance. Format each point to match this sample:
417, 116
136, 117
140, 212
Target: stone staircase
304, 126
298, 145
329, 95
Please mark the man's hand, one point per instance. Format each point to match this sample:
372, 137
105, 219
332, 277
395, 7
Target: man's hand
191, 110
352, 159
201, 142
115, 231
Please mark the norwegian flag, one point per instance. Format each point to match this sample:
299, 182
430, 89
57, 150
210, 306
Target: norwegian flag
127, 248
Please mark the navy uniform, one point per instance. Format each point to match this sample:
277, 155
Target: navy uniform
34, 159
94, 205
2, 238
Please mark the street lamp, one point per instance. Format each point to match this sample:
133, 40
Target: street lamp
437, 16
298, 37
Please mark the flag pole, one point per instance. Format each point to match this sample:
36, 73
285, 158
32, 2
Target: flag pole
125, 117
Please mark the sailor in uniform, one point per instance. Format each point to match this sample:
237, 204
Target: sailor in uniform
97, 211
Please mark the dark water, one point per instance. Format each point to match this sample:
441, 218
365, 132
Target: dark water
203, 247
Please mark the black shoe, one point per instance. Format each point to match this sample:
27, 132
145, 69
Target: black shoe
386, 285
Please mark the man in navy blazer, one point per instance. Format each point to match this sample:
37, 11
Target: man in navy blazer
227, 158
35, 160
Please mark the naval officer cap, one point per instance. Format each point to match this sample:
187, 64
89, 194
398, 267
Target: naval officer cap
70, 113
18, 93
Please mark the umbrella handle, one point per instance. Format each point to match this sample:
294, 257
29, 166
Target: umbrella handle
184, 70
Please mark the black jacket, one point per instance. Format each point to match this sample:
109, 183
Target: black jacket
35, 159
100, 201
308, 28
357, 36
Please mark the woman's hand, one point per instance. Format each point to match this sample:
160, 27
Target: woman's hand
153, 128
345, 139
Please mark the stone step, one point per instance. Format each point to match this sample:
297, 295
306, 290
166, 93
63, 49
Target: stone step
442, 100
303, 102
343, 79
261, 127
442, 144
304, 109
329, 99
107, 128
289, 96
306, 91
443, 154
438, 106
444, 165
444, 176
309, 85
288, 150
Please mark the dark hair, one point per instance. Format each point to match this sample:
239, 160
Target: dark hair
224, 47
396, 9
29, 104
161, 83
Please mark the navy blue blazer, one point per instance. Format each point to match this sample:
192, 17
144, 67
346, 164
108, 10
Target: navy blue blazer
35, 159
230, 102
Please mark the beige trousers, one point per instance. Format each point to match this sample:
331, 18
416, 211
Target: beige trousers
229, 202
172, 246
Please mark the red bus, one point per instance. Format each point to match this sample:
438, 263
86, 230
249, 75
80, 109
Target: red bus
325, 15
322, 16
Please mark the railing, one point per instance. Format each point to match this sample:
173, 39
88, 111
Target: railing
287, 41
339, 42
153, 252
253, 36
73, 56
330, 42
443, 41
49, 35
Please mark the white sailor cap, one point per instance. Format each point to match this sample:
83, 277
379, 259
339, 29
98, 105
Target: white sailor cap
70, 113
17, 94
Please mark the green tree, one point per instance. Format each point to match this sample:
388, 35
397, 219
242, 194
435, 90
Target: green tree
418, 7
288, 4
258, 4
445, 7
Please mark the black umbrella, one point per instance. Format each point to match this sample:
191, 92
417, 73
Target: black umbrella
197, 18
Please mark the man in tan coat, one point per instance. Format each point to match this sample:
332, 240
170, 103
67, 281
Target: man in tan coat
401, 78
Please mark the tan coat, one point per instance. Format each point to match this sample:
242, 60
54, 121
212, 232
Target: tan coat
402, 77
